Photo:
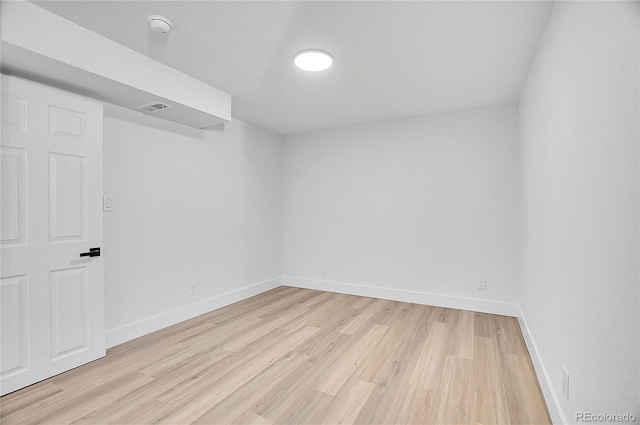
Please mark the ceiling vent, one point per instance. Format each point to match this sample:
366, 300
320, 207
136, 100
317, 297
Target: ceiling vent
154, 107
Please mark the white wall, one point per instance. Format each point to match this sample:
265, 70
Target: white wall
191, 205
424, 205
579, 169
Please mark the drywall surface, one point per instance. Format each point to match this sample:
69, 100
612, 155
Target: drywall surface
77, 59
201, 206
421, 205
579, 182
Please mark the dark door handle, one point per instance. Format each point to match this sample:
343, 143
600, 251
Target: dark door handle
93, 252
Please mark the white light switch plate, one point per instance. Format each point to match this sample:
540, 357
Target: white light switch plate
107, 204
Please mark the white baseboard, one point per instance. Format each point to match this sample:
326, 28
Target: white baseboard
550, 396
450, 301
154, 323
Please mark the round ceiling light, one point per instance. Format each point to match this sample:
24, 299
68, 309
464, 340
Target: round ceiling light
159, 24
313, 60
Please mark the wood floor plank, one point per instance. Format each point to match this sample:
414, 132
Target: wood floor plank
483, 325
299, 356
345, 407
200, 397
119, 409
76, 402
338, 307
309, 408
524, 398
361, 319
396, 310
120, 412
320, 299
37, 394
420, 321
356, 358
259, 329
455, 403
490, 402
325, 343
462, 336
177, 363
274, 402
321, 312
392, 384
420, 406
291, 302
430, 366
129, 361
509, 335
250, 418
239, 402
375, 370
361, 302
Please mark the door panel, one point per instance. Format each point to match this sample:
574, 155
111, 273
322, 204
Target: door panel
15, 316
69, 333
67, 197
14, 111
13, 211
65, 122
52, 299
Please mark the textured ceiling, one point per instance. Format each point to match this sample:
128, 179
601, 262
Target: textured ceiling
393, 59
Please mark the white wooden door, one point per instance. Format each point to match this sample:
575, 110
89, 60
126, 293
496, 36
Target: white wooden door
51, 298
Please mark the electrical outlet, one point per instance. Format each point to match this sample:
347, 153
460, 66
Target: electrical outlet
482, 283
565, 383
324, 268
192, 289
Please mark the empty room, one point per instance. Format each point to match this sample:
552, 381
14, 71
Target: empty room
320, 212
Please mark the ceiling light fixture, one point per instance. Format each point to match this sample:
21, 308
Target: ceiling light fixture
313, 60
159, 24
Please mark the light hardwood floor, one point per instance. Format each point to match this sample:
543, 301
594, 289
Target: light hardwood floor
299, 356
